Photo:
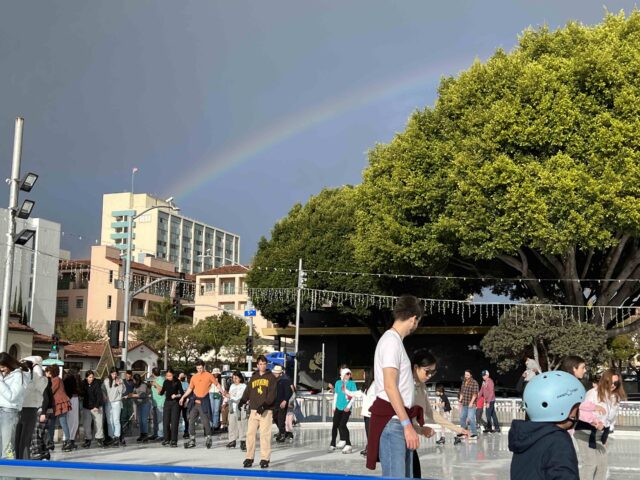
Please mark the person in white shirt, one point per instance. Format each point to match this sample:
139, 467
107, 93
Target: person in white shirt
14, 378
391, 433
237, 418
532, 368
598, 414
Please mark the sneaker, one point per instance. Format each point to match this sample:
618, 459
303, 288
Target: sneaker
347, 449
341, 444
332, 448
264, 463
248, 463
441, 441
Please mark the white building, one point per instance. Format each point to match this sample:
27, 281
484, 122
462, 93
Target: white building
192, 246
35, 272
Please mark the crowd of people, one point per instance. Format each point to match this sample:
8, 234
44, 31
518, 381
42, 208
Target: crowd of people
564, 421
35, 400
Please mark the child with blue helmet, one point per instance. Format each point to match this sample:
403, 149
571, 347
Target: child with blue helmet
542, 447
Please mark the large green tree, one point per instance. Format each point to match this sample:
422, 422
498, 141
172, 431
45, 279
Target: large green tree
527, 165
224, 331
78, 331
321, 232
546, 334
162, 315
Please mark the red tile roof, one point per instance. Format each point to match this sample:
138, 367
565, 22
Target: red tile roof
95, 349
225, 270
20, 327
159, 271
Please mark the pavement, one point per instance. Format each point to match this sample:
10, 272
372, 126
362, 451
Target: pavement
487, 458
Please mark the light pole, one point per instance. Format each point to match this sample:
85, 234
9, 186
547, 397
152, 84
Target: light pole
127, 274
302, 283
15, 185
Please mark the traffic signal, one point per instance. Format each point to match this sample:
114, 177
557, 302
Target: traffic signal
249, 344
302, 279
113, 328
176, 306
55, 345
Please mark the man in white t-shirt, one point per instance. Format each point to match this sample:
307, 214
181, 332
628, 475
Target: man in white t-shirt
394, 437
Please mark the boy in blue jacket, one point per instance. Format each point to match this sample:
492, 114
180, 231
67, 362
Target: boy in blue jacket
542, 447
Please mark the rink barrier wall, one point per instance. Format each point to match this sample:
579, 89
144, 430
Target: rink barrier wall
508, 409
101, 471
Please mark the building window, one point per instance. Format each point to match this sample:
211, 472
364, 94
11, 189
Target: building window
228, 287
227, 307
62, 307
79, 302
110, 276
108, 301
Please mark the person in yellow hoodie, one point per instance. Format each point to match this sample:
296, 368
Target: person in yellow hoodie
260, 394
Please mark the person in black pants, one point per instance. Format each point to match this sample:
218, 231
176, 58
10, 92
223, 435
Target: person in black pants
283, 395
173, 391
32, 402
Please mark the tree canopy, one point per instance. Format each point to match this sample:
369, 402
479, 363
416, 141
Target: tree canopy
545, 334
74, 331
527, 165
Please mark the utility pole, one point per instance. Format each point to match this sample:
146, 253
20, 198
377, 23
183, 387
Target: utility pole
301, 285
14, 186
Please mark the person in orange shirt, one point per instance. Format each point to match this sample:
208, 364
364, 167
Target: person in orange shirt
200, 384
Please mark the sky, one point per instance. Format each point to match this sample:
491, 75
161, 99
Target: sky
239, 109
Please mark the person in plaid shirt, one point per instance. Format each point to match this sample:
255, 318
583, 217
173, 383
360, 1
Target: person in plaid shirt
467, 398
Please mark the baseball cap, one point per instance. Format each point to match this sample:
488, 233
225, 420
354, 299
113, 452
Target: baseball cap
277, 369
485, 372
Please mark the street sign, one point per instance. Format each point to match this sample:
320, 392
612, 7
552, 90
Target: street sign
249, 313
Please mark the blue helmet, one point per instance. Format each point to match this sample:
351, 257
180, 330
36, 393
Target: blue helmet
550, 396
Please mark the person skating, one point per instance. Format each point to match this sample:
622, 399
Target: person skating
92, 404
542, 447
14, 378
114, 391
72, 384
391, 432
142, 398
157, 404
444, 409
261, 396
184, 412
216, 391
199, 385
237, 416
61, 406
31, 405
467, 401
126, 415
488, 394
283, 395
172, 391
342, 403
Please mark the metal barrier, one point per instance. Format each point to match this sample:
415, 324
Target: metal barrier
507, 409
20, 469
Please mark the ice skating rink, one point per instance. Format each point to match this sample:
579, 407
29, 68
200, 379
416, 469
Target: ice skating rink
485, 458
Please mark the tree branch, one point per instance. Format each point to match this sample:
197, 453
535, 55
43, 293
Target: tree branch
613, 257
587, 264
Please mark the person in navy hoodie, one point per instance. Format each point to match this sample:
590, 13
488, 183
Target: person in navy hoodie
542, 447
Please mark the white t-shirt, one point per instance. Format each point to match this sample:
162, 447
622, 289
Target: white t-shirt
390, 353
532, 367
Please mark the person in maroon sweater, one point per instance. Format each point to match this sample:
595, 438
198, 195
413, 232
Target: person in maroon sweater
488, 394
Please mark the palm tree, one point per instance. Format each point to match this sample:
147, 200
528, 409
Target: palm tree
162, 315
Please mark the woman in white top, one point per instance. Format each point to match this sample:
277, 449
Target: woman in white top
216, 392
237, 418
598, 414
14, 378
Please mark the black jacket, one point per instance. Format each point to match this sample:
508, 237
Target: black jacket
92, 394
541, 451
283, 389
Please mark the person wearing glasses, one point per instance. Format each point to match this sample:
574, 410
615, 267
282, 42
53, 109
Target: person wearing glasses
342, 402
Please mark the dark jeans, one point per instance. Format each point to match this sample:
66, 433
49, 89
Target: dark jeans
24, 431
185, 418
492, 416
366, 427
340, 419
171, 419
280, 416
198, 411
417, 473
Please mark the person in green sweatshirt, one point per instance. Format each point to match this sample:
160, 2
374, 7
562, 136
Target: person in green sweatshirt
260, 394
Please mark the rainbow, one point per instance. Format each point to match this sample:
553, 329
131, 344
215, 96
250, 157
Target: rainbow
213, 167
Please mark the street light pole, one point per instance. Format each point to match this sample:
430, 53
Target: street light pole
14, 187
298, 301
127, 279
